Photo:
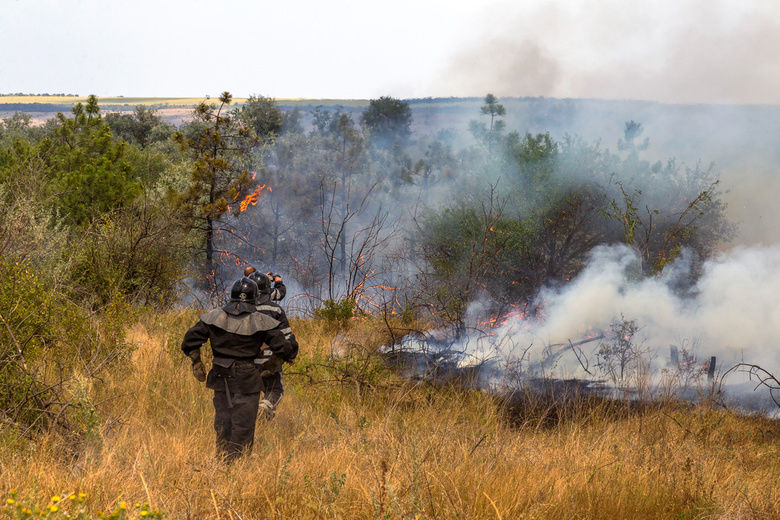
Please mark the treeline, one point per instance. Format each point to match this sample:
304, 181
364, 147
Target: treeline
348, 205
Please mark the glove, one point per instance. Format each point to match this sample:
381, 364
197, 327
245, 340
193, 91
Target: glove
269, 367
198, 368
199, 371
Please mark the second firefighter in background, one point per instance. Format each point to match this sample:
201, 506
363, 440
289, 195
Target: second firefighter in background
271, 364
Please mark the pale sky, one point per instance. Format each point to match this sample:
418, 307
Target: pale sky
677, 51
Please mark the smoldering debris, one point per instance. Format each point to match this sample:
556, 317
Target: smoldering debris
726, 319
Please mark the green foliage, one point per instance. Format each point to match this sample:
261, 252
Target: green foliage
90, 172
325, 121
18, 121
661, 223
136, 252
437, 164
493, 109
489, 136
25, 311
26, 308
19, 126
220, 145
44, 334
152, 164
472, 250
388, 120
536, 160
29, 229
142, 128
337, 313
40, 327
320, 220
262, 115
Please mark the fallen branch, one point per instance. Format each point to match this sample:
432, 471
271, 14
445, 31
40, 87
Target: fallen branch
764, 378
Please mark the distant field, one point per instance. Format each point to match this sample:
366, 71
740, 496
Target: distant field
65, 100
163, 101
171, 109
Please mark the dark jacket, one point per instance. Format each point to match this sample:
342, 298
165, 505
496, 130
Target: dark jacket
273, 310
279, 291
236, 335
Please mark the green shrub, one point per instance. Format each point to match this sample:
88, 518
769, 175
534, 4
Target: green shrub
136, 252
337, 312
46, 339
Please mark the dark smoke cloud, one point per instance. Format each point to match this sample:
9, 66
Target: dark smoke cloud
498, 62
672, 52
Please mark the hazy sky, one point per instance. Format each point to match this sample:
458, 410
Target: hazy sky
682, 51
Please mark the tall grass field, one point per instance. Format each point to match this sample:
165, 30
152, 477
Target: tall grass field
354, 440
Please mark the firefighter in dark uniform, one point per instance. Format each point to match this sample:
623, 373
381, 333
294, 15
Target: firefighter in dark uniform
237, 333
278, 290
269, 363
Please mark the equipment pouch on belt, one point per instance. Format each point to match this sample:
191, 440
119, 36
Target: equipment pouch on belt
234, 375
224, 367
221, 368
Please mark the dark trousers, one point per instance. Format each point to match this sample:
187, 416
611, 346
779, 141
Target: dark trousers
234, 423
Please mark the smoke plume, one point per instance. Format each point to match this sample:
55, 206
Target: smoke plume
673, 52
730, 313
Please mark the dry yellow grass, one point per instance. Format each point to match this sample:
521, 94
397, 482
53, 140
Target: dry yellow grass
394, 449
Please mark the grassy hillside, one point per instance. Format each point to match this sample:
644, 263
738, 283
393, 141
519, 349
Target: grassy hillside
354, 440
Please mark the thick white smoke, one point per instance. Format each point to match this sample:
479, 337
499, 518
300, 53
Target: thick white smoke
731, 313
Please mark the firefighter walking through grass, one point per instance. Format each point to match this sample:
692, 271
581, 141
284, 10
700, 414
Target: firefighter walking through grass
236, 333
269, 363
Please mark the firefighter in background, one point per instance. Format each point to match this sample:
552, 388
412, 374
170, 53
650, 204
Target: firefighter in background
236, 332
269, 363
278, 290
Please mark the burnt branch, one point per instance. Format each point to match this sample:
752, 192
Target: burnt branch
761, 376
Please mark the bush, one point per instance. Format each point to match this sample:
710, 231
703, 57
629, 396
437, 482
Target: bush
337, 312
46, 340
135, 252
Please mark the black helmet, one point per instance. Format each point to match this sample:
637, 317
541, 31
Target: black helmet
262, 281
244, 290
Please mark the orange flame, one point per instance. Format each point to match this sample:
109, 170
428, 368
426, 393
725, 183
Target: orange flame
252, 198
